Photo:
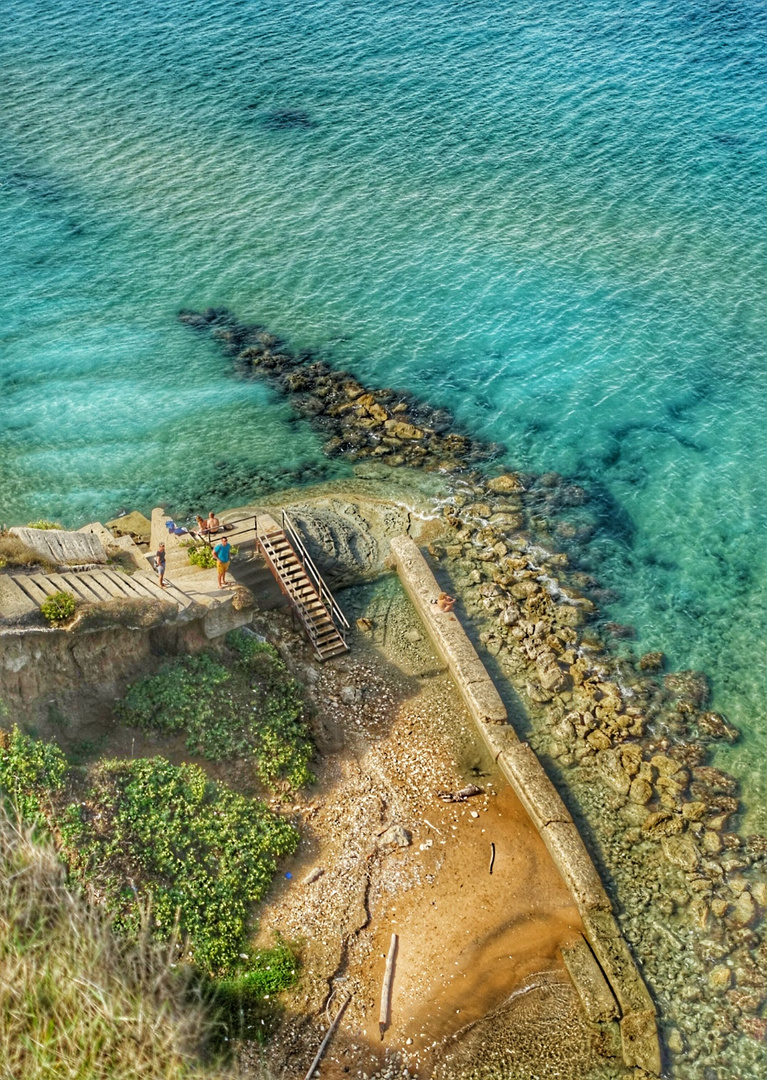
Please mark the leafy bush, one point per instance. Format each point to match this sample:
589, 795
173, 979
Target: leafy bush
59, 607
202, 556
31, 771
201, 852
254, 709
183, 694
43, 524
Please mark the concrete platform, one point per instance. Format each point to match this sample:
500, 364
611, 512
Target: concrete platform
63, 548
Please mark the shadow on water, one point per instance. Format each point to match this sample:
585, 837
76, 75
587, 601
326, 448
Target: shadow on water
288, 120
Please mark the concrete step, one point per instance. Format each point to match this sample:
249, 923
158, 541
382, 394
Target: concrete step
32, 587
171, 594
15, 603
112, 587
75, 584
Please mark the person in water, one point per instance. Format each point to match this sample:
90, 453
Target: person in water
159, 565
223, 553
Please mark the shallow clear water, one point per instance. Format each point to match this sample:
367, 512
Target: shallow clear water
550, 217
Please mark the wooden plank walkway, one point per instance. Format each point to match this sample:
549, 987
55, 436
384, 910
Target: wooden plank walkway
299, 580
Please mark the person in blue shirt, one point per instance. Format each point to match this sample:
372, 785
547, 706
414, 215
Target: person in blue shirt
223, 553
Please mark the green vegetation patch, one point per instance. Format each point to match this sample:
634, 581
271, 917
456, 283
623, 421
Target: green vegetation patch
42, 523
203, 556
148, 835
245, 1003
248, 708
202, 853
32, 774
58, 608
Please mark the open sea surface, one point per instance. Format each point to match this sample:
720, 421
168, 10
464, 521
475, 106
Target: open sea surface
549, 217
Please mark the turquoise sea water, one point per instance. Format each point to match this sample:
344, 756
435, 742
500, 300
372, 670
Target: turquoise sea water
550, 217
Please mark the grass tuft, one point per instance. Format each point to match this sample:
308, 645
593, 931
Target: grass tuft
14, 554
75, 1000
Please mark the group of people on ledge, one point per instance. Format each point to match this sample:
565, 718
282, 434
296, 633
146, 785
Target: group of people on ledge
222, 551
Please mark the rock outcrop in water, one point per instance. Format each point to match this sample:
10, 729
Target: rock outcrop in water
630, 744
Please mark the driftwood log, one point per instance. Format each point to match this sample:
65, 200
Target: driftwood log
459, 796
383, 1016
328, 1034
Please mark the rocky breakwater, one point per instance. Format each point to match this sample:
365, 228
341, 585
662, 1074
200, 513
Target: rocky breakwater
628, 744
387, 426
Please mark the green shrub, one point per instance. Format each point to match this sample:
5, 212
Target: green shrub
43, 524
204, 557
203, 854
253, 709
183, 694
59, 608
31, 771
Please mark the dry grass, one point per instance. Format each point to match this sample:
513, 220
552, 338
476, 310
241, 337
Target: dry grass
75, 1002
14, 553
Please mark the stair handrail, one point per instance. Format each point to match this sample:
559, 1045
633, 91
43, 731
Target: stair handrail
303, 612
313, 573
209, 539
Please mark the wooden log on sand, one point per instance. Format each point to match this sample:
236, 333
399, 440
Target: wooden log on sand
383, 1016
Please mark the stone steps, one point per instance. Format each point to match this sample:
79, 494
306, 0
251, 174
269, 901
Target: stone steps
189, 593
22, 594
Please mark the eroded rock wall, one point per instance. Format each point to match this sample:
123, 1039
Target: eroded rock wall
79, 673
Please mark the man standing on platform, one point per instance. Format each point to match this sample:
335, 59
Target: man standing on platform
223, 554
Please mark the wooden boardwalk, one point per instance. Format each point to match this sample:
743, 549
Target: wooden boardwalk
298, 578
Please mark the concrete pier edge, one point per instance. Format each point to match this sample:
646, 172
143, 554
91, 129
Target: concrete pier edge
613, 966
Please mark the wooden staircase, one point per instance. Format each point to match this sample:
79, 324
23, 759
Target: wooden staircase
297, 576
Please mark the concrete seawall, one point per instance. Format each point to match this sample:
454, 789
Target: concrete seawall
605, 974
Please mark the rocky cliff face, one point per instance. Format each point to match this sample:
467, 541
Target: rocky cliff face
76, 675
